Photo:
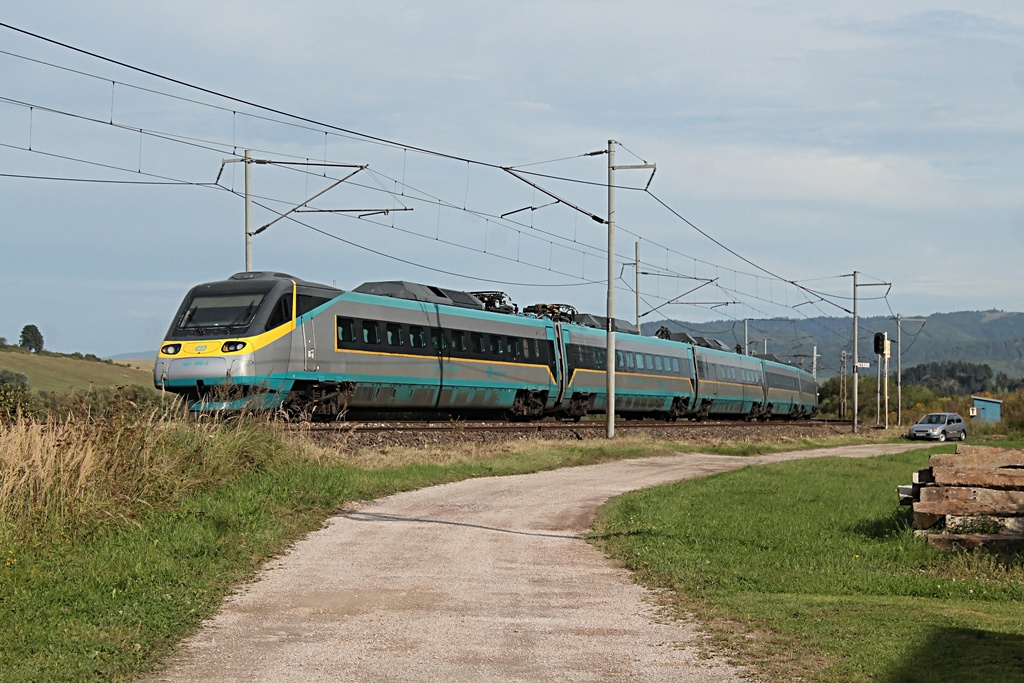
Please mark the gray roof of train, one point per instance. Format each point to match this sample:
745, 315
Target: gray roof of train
413, 291
267, 275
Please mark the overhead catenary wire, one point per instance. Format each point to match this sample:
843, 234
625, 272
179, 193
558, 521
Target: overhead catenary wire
357, 134
280, 112
312, 124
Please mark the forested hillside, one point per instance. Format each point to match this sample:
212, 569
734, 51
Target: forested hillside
993, 338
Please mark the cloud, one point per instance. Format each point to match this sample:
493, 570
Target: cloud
820, 175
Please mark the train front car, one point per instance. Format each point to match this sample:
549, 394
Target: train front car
230, 344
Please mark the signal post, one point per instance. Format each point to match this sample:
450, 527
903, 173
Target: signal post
883, 348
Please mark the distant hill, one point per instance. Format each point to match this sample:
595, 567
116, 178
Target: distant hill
54, 373
995, 338
134, 355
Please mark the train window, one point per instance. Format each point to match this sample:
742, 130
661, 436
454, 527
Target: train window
649, 361
458, 340
346, 330
437, 339
526, 348
515, 347
620, 360
600, 359
395, 336
282, 312
416, 338
497, 345
675, 365
371, 332
477, 342
304, 303
629, 360
657, 363
639, 361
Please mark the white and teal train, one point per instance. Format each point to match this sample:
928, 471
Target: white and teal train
269, 340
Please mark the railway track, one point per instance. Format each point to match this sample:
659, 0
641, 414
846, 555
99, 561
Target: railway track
554, 426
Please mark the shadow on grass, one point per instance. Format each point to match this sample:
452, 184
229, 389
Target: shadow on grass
960, 655
895, 523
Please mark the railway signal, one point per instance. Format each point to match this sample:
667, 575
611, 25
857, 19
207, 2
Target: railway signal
883, 346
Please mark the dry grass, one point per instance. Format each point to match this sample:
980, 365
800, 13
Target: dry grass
343, 448
60, 477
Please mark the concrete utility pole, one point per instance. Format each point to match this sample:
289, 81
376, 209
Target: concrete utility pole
248, 161
610, 346
856, 365
248, 210
636, 285
899, 364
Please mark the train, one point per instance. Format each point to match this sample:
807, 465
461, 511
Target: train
269, 341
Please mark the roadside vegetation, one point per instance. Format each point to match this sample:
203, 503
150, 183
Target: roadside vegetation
810, 570
124, 522
123, 526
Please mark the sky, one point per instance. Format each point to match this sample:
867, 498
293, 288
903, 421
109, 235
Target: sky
795, 144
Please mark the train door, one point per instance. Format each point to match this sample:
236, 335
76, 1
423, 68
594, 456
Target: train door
561, 367
309, 345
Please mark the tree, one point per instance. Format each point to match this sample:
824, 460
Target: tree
14, 393
31, 339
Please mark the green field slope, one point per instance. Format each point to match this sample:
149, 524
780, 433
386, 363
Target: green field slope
49, 373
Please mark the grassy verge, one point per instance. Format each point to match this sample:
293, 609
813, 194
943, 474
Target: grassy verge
810, 570
121, 531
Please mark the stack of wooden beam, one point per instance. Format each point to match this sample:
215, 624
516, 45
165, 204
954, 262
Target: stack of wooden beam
972, 498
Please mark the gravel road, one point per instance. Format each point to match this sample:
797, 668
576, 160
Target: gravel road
481, 580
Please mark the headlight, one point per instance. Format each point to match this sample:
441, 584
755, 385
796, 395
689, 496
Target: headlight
170, 349
230, 347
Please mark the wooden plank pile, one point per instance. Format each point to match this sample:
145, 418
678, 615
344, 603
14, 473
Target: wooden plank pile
972, 498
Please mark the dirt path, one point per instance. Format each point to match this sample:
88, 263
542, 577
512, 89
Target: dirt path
481, 580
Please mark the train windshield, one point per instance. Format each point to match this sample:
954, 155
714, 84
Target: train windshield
220, 311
